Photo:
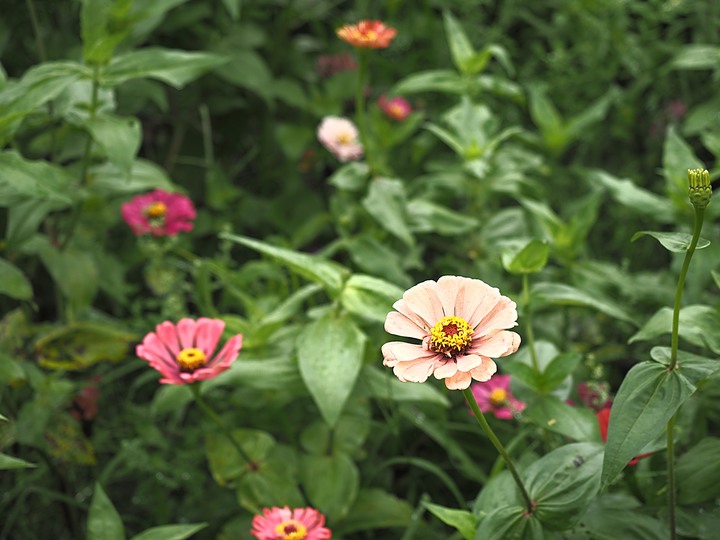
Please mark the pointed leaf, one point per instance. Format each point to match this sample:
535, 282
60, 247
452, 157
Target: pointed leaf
462, 520
118, 137
22, 180
104, 522
461, 49
9, 462
440, 80
554, 414
529, 259
561, 294
510, 523
386, 202
375, 509
369, 297
170, 532
13, 282
331, 483
676, 242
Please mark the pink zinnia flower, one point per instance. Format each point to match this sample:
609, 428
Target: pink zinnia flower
340, 136
285, 524
367, 34
183, 353
160, 213
397, 108
494, 395
462, 323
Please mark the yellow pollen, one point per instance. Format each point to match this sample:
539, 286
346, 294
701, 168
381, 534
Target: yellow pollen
291, 530
191, 359
451, 336
344, 138
498, 397
156, 210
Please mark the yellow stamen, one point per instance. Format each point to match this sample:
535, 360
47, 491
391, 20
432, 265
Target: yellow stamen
156, 210
344, 138
451, 336
498, 397
191, 359
291, 530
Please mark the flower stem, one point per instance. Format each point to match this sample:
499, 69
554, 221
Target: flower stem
528, 323
215, 417
498, 446
360, 98
671, 475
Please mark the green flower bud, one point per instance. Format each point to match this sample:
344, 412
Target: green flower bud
700, 190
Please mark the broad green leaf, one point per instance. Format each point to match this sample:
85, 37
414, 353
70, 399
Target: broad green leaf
615, 517
386, 202
499, 491
273, 483
247, 69
378, 258
13, 282
639, 200
554, 414
226, 463
369, 297
331, 483
564, 482
104, 522
118, 137
677, 242
9, 462
698, 324
461, 49
23, 180
233, 7
548, 119
691, 367
559, 369
170, 532
697, 56
375, 509
108, 179
447, 137
104, 25
177, 68
351, 177
440, 80
170, 398
462, 520
327, 273
509, 523
379, 384
425, 216
330, 353
647, 399
696, 481
531, 258
24, 219
701, 522
262, 374
347, 436
565, 295
594, 113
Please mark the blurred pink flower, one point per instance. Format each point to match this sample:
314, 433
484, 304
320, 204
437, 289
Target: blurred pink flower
160, 213
285, 524
594, 394
462, 323
340, 136
85, 404
676, 110
183, 353
367, 34
397, 108
329, 64
494, 395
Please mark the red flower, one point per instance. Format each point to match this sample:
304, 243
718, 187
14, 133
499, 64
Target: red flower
159, 213
367, 34
396, 108
603, 416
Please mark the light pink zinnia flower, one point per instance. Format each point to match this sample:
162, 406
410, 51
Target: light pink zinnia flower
285, 524
340, 136
160, 213
397, 108
494, 395
183, 353
462, 323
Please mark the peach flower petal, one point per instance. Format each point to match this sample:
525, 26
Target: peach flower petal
460, 381
468, 362
484, 371
423, 300
400, 325
496, 345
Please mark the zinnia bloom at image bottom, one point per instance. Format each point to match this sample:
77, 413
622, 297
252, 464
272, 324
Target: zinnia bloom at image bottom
494, 396
183, 353
367, 34
462, 324
159, 213
285, 524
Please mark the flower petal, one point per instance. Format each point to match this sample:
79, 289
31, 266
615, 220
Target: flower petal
168, 335
399, 351
459, 381
495, 345
399, 325
484, 371
448, 369
404, 309
415, 370
207, 334
502, 316
423, 300
477, 301
448, 288
186, 333
227, 354
467, 362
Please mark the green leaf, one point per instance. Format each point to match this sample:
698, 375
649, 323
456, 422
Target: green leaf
529, 259
118, 137
564, 482
233, 7
327, 273
676, 242
698, 324
554, 414
170, 532
273, 483
697, 56
351, 177
509, 523
380, 384
425, 216
462, 520
331, 483
614, 517
461, 49
678, 157
13, 282
559, 369
104, 522
648, 397
440, 80
9, 462
247, 69
375, 509
330, 353
226, 464
639, 200
104, 25
177, 68
696, 481
369, 297
565, 295
386, 202
23, 180
108, 179
691, 367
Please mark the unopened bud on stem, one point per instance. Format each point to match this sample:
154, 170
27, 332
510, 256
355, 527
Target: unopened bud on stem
700, 190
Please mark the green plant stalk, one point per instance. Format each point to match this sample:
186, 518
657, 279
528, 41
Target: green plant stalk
671, 476
195, 388
528, 323
499, 447
360, 98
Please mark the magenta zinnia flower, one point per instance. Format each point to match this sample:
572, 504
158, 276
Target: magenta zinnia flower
462, 323
494, 396
340, 136
396, 108
183, 353
285, 524
159, 213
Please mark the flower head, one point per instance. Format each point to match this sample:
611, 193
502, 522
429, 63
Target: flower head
160, 213
183, 352
340, 136
368, 34
396, 108
285, 524
494, 395
462, 324
603, 417
700, 188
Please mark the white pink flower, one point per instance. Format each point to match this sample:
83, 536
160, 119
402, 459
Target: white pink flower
340, 136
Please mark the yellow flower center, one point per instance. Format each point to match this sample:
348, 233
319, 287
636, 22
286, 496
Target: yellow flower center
291, 530
498, 397
156, 210
191, 359
451, 335
396, 110
344, 138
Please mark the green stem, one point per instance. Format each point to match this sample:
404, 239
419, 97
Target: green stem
36, 30
528, 323
470, 398
215, 417
360, 98
671, 476
699, 215
207, 137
